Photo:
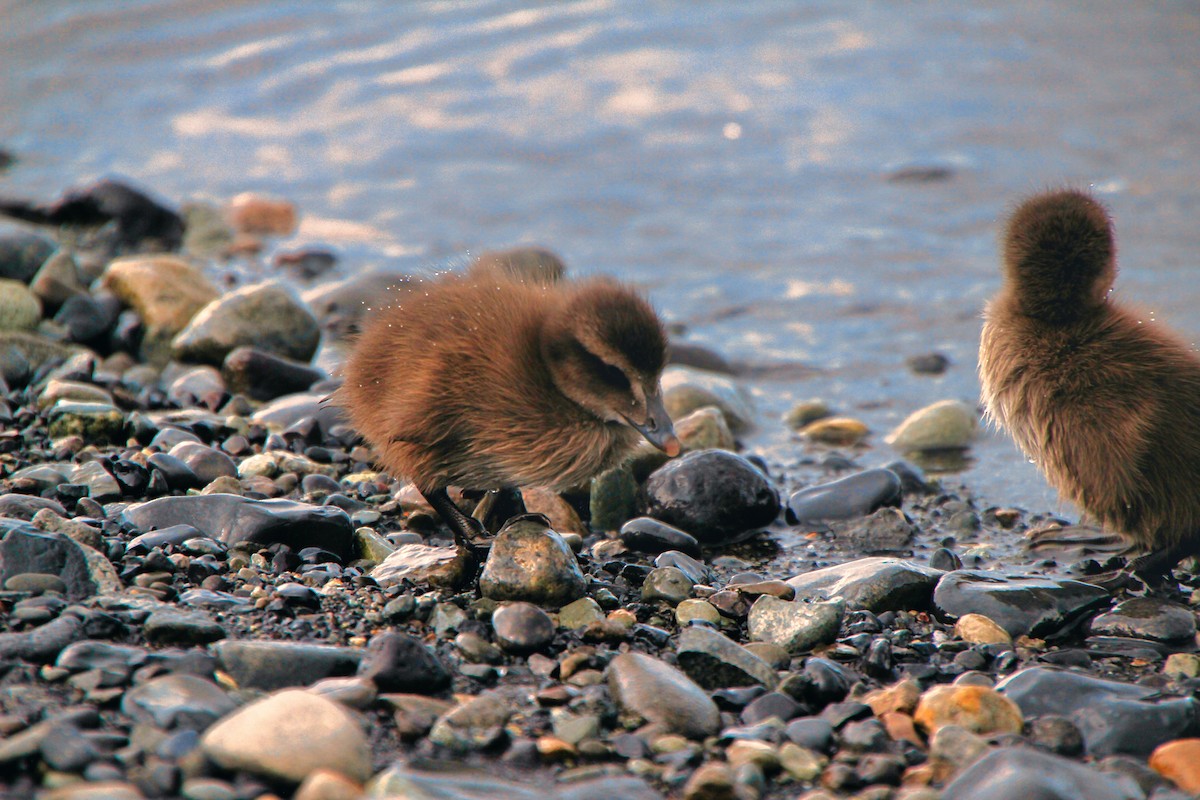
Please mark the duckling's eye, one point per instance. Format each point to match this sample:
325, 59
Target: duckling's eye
614, 378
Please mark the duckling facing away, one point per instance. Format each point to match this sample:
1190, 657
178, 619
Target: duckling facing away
1103, 400
488, 382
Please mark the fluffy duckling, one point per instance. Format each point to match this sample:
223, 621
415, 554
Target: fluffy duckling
1106, 403
486, 382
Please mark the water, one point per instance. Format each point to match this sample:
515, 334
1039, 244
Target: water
737, 160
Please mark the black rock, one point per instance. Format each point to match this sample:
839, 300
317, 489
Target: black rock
1021, 604
716, 496
1113, 717
233, 519
22, 255
1009, 772
648, 535
178, 476
206, 462
264, 376
811, 732
398, 662
820, 683
274, 665
853, 496
522, 627
771, 704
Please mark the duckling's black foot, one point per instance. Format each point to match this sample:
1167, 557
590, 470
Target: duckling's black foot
1115, 581
469, 533
1155, 570
498, 506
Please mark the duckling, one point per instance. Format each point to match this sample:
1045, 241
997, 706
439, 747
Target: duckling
1105, 402
489, 382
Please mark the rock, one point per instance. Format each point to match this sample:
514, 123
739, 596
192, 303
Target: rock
266, 316
165, 291
978, 629
714, 495
1009, 772
1183, 665
86, 535
562, 515
35, 583
288, 735
696, 571
613, 498
693, 609
460, 783
715, 661
801, 763
206, 463
650, 689
271, 665
398, 662
342, 305
1147, 618
1179, 762
534, 264
705, 429
711, 781
875, 584
177, 701
422, 564
686, 390
172, 626
804, 412
1021, 604
836, 431
197, 386
94, 790
206, 233
529, 561
87, 319
928, 363
323, 784
83, 571
291, 409
945, 425
43, 644
475, 724
847, 498
648, 535
258, 214
794, 625
102, 486
1113, 717
976, 708
233, 519
57, 389
57, 280
25, 506
522, 628
887, 531
265, 376
22, 254
20, 309
97, 423
666, 584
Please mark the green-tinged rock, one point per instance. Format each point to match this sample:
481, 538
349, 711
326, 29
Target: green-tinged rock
474, 725
695, 609
20, 310
613, 498
945, 425
166, 291
805, 412
580, 614
666, 584
800, 763
705, 429
794, 625
97, 423
370, 546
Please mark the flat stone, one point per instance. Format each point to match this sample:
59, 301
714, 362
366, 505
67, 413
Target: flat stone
1024, 772
274, 665
177, 701
529, 561
714, 661
648, 535
716, 496
876, 584
424, 565
794, 625
288, 735
846, 498
666, 698
1021, 604
1147, 618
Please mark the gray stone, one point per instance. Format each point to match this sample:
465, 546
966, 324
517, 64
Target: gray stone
846, 498
876, 584
667, 699
266, 316
1147, 618
177, 701
794, 625
25, 549
275, 665
1021, 604
686, 390
475, 724
715, 661
1010, 772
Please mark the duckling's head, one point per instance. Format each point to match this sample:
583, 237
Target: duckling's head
1059, 255
605, 349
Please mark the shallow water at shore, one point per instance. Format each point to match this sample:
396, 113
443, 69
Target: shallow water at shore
809, 185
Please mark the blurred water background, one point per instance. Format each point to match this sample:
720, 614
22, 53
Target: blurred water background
810, 184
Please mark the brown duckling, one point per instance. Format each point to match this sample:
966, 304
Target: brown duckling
487, 382
1104, 401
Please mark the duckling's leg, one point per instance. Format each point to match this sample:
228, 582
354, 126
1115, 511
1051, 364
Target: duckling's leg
498, 506
1154, 569
468, 531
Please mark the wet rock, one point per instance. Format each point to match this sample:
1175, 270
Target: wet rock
177, 700
853, 496
715, 661
696, 571
288, 735
171, 626
165, 291
529, 561
274, 665
978, 629
691, 610
976, 708
266, 316
102, 486
686, 390
83, 571
648, 535
22, 254
928, 363
1021, 604
57, 389
206, 463
522, 627
666, 584
296, 408
259, 214
57, 281
650, 689
475, 724
794, 625
265, 376
1009, 772
398, 662
535, 264
945, 425
876, 584
714, 495
233, 519
1179, 762
836, 431
421, 564
1114, 717
1147, 618
705, 429
887, 531
178, 475
20, 309
95, 422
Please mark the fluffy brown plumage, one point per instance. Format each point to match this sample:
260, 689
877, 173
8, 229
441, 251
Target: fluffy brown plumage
487, 382
1105, 401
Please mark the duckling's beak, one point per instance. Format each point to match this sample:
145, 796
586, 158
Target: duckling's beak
657, 428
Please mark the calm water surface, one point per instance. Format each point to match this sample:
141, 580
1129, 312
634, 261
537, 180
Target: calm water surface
743, 162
